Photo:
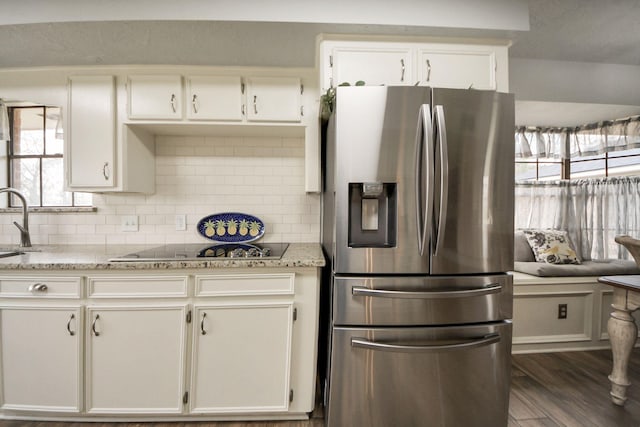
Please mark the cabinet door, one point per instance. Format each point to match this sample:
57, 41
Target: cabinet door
465, 68
135, 359
214, 98
275, 99
41, 348
374, 66
241, 360
155, 97
92, 138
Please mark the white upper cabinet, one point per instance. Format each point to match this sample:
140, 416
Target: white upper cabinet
374, 66
449, 65
468, 67
274, 99
92, 138
155, 97
214, 98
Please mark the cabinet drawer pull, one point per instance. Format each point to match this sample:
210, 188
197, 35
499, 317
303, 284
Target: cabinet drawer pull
194, 104
255, 104
105, 171
402, 65
72, 333
38, 287
202, 324
93, 326
173, 102
428, 70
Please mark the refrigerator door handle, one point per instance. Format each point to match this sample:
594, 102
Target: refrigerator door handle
492, 288
441, 132
424, 136
403, 348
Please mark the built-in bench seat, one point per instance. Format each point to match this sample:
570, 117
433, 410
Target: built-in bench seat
607, 267
541, 291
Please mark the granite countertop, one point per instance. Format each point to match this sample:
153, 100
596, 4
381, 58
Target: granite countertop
96, 257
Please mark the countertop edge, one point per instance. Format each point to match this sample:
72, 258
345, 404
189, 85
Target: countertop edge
88, 257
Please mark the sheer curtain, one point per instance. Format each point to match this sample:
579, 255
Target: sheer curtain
593, 211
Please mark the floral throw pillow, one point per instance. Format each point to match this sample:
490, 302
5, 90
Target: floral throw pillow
551, 246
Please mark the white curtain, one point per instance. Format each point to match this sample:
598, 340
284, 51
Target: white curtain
593, 211
540, 142
587, 140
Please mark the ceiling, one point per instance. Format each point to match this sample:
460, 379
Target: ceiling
569, 30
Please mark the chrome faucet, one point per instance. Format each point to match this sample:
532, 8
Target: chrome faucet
25, 239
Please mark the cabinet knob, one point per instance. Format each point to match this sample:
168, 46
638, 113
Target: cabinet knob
194, 104
105, 171
173, 102
38, 287
93, 326
202, 331
72, 333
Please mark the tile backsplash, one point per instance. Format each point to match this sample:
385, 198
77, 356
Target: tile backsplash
195, 176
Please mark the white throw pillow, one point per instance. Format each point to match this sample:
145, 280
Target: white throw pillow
551, 246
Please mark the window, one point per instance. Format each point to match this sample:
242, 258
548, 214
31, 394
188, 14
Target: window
592, 151
615, 163
35, 157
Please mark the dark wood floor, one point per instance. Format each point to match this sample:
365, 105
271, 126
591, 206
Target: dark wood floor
548, 390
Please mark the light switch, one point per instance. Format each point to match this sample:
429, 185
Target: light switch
129, 223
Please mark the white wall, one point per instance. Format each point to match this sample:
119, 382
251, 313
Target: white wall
196, 176
582, 82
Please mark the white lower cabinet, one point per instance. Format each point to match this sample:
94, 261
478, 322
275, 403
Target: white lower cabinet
41, 357
228, 344
135, 359
241, 358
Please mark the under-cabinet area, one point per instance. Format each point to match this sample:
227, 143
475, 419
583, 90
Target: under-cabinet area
189, 344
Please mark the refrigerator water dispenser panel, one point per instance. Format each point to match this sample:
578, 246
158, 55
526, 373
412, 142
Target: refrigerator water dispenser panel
372, 215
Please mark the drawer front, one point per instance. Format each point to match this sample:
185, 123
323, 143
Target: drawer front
246, 284
43, 286
436, 376
137, 287
414, 300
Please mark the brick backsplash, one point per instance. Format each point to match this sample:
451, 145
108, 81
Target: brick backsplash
195, 176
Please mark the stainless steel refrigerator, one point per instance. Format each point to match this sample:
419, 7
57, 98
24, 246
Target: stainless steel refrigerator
418, 228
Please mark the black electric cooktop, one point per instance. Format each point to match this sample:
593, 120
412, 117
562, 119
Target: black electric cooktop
199, 251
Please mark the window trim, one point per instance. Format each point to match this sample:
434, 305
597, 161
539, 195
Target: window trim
12, 157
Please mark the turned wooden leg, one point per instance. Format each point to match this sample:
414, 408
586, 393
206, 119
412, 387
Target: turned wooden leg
622, 333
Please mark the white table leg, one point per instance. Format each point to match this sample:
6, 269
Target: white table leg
622, 333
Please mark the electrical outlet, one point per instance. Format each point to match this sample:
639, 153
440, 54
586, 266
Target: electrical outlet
181, 222
562, 311
129, 223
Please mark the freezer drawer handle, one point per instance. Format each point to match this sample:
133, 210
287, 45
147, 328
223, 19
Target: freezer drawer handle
403, 348
492, 288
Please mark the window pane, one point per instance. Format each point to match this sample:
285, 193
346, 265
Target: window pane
633, 151
54, 138
525, 171
624, 166
26, 179
52, 184
28, 135
548, 171
591, 168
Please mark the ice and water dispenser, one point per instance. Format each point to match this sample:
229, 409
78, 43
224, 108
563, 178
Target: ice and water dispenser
372, 214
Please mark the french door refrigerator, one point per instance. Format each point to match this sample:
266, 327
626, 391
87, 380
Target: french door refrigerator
418, 229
